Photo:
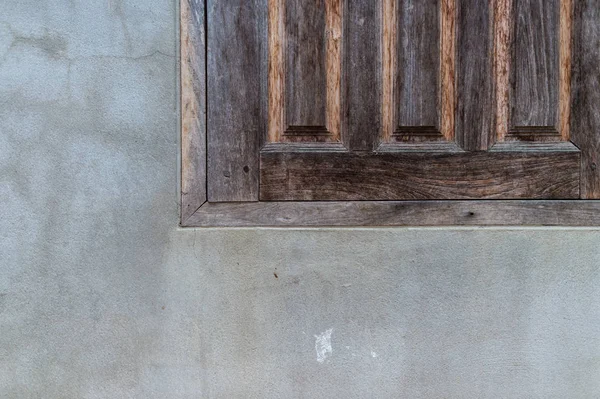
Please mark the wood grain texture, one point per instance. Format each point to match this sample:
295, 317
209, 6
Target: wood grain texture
237, 33
418, 67
398, 213
389, 61
193, 107
306, 64
475, 123
305, 70
308, 176
535, 87
362, 78
566, 42
334, 16
502, 65
585, 97
276, 79
551, 161
448, 69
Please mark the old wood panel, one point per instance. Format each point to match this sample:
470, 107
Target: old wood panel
448, 69
305, 70
276, 78
389, 62
306, 64
335, 12
565, 69
362, 83
502, 65
418, 70
475, 82
193, 107
585, 120
399, 213
535, 88
236, 36
417, 37
524, 169
343, 176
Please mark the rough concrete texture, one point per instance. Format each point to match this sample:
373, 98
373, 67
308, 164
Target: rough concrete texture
102, 296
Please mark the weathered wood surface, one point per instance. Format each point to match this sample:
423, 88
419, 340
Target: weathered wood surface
417, 37
535, 87
585, 119
237, 66
276, 78
193, 107
565, 68
399, 213
236, 61
475, 82
448, 69
306, 69
502, 65
309, 176
335, 14
389, 62
362, 83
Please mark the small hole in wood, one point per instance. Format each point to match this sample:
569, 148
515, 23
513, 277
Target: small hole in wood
246, 169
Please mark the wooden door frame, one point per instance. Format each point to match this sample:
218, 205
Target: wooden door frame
196, 211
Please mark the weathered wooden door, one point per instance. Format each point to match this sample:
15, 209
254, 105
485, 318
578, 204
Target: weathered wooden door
401, 100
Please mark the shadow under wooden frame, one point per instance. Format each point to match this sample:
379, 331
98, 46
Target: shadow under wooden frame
197, 211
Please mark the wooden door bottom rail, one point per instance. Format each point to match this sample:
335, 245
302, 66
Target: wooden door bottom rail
398, 213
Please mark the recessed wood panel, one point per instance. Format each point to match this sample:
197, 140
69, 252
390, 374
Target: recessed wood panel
533, 69
475, 127
418, 72
305, 52
418, 69
305, 64
535, 88
362, 76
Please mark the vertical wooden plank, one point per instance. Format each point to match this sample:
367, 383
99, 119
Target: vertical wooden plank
236, 35
362, 52
276, 69
306, 70
389, 62
536, 64
334, 13
476, 102
566, 40
502, 39
418, 74
585, 97
448, 65
193, 107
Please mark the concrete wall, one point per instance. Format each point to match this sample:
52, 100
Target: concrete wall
102, 296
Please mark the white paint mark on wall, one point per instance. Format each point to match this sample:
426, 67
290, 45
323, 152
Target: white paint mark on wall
323, 345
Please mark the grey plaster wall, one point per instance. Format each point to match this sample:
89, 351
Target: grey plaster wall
102, 296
